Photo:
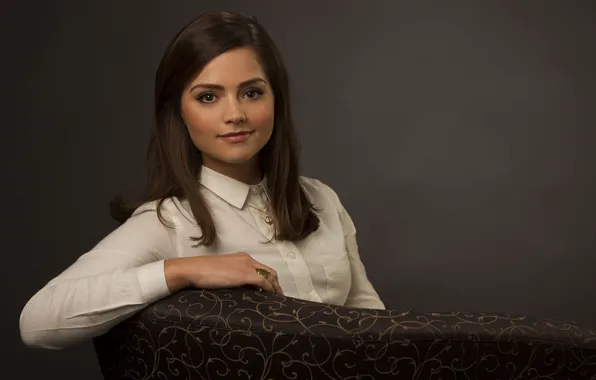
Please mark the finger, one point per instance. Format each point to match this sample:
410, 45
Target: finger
277, 287
266, 285
262, 283
272, 272
271, 278
274, 280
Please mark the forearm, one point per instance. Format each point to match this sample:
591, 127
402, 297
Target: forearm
175, 274
70, 311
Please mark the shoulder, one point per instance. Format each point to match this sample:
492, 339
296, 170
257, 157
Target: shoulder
169, 210
320, 193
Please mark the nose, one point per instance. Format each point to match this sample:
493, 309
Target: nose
234, 113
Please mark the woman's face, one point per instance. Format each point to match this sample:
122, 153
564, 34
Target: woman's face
228, 109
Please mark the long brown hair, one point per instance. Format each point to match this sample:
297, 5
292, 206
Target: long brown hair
173, 161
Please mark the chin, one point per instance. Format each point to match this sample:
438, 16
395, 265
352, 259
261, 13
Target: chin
238, 160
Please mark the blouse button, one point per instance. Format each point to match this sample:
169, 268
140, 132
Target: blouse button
291, 255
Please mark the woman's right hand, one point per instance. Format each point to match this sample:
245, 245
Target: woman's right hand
219, 271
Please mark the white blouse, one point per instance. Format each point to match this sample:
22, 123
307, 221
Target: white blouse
124, 273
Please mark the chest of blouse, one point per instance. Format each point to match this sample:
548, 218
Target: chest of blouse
316, 268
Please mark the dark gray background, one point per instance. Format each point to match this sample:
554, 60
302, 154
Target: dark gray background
460, 137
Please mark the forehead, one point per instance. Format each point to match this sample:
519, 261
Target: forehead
231, 68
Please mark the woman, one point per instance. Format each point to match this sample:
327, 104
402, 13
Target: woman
225, 205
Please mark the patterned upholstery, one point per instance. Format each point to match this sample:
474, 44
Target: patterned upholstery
246, 334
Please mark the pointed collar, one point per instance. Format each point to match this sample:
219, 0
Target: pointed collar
229, 189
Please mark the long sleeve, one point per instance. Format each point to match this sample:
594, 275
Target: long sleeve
118, 277
362, 293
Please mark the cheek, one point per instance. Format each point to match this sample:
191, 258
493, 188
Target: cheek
199, 121
263, 116
200, 127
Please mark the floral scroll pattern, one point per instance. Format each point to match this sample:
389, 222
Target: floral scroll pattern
246, 334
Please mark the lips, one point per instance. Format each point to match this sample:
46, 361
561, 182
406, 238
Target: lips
236, 137
232, 134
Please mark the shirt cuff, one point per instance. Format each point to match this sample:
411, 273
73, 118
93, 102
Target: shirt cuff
152, 281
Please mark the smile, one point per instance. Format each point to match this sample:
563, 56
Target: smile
236, 137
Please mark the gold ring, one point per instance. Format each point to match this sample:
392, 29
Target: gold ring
263, 272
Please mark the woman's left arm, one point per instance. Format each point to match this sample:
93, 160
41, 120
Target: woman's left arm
362, 293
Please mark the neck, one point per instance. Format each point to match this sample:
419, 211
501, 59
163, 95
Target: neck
247, 172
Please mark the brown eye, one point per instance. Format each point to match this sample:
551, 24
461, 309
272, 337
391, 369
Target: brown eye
253, 93
206, 97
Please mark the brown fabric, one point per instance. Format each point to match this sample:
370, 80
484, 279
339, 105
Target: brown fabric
246, 334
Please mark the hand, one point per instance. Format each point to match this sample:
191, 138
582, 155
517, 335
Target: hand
219, 271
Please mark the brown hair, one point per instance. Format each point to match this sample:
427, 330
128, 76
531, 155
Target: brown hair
173, 161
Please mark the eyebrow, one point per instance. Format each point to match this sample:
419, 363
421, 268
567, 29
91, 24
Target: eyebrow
221, 88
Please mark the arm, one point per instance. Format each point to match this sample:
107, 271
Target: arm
118, 277
362, 293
